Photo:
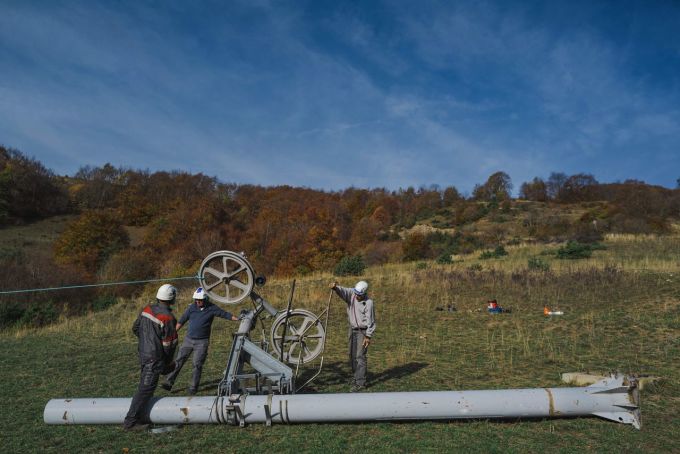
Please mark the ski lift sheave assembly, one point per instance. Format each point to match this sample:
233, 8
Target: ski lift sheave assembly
297, 336
258, 385
228, 278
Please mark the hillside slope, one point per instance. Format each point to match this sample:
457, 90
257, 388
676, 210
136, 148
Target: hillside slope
622, 312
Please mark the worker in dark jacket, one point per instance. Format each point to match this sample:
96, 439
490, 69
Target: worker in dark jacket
200, 315
155, 328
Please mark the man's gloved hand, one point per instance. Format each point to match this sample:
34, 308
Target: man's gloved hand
332, 285
366, 342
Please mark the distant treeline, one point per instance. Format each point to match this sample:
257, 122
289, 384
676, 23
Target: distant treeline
133, 224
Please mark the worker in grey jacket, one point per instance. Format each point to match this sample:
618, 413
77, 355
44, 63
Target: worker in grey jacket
155, 329
361, 317
200, 315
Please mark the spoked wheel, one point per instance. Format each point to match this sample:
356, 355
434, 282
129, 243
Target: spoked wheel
304, 336
226, 277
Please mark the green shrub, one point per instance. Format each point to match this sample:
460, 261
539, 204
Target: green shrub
496, 253
302, 270
350, 265
536, 263
421, 265
39, 314
445, 259
10, 314
102, 302
574, 250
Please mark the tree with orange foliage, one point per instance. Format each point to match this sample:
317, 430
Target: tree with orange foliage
89, 240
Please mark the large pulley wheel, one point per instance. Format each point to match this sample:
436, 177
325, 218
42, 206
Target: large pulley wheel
303, 338
226, 277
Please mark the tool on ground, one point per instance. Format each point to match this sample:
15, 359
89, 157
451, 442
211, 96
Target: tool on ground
548, 312
493, 308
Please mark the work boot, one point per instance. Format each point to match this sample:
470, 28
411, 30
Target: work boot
191, 391
356, 388
136, 427
166, 386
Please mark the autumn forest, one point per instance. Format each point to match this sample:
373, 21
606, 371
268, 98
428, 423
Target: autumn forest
124, 224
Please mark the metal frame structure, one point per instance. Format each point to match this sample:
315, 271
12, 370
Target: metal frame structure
271, 376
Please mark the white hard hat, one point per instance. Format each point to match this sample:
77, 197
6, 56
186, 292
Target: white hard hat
166, 292
361, 287
199, 294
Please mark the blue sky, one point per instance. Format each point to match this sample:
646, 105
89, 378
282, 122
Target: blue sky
332, 94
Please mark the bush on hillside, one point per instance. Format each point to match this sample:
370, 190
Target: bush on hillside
350, 266
90, 240
102, 302
415, 247
575, 250
496, 253
380, 252
10, 314
538, 264
445, 259
39, 314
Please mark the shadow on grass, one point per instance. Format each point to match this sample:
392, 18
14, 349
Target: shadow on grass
339, 373
333, 374
397, 372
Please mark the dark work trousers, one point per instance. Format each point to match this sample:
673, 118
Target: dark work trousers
147, 385
357, 355
200, 349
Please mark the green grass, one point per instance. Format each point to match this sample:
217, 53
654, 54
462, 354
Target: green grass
615, 319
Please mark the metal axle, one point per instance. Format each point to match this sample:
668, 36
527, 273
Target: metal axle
615, 398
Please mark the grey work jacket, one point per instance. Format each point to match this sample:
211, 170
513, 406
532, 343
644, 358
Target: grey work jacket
361, 314
155, 328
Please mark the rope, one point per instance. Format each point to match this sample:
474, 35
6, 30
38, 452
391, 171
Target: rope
104, 284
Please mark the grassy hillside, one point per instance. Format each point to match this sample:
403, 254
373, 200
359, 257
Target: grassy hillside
35, 238
622, 312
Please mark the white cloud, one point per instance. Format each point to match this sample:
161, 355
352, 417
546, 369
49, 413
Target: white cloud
446, 97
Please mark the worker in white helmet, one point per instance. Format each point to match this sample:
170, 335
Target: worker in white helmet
361, 317
155, 329
200, 315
